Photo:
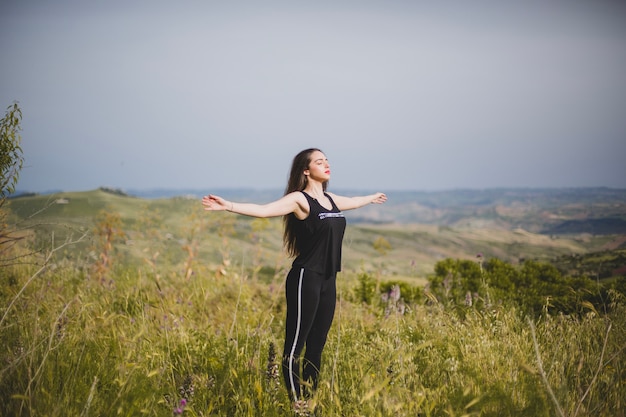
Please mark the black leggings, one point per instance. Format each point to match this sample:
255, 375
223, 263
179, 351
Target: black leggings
310, 309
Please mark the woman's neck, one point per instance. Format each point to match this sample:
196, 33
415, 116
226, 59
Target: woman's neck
314, 189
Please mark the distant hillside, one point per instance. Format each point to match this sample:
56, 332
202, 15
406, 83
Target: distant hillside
550, 211
420, 227
600, 211
602, 226
534, 210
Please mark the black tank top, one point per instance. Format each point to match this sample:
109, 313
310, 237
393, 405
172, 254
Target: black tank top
319, 238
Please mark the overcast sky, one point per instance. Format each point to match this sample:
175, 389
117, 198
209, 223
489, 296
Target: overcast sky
400, 95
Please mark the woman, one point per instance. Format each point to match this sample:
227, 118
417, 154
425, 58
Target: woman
313, 234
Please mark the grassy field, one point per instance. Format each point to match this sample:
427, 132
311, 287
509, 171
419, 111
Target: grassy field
186, 315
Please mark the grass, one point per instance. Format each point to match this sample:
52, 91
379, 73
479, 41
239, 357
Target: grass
152, 339
139, 344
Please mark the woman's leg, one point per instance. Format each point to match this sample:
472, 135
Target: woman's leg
302, 290
318, 334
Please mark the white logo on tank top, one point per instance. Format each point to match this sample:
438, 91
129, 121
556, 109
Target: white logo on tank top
323, 216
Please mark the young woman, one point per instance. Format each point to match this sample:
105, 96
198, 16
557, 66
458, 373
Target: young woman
313, 232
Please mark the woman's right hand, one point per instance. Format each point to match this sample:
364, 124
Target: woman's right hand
215, 203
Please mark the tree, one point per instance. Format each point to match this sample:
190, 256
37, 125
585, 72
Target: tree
382, 245
11, 161
11, 157
456, 278
501, 277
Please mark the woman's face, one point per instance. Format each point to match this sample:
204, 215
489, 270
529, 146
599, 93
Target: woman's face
319, 168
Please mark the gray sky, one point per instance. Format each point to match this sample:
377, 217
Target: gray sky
400, 95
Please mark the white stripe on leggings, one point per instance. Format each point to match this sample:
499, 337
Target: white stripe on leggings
295, 339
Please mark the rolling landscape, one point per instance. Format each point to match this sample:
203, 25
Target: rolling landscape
421, 228
503, 302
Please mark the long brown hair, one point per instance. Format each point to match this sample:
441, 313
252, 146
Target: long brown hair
297, 182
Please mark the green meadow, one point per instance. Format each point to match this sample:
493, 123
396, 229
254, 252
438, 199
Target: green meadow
112, 305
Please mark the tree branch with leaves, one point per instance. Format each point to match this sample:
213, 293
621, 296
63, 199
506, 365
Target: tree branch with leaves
11, 156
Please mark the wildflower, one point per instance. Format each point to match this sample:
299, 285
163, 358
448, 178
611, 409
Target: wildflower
394, 295
187, 389
468, 299
401, 308
181, 408
272, 373
301, 408
393, 301
60, 327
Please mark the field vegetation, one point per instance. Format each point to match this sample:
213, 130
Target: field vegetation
117, 305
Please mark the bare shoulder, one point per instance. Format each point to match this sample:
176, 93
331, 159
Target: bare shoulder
296, 196
302, 204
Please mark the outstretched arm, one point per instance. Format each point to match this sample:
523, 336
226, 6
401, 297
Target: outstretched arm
290, 203
350, 203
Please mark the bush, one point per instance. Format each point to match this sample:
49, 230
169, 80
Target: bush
533, 287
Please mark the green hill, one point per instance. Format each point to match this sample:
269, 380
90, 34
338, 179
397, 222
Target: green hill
163, 231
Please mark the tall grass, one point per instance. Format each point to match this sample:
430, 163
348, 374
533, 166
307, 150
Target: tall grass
148, 342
